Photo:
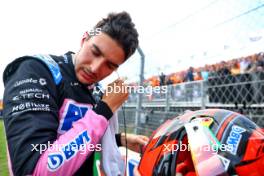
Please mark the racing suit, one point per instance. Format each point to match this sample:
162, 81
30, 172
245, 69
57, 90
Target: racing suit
53, 124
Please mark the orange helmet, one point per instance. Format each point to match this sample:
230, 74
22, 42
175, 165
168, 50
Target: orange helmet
205, 142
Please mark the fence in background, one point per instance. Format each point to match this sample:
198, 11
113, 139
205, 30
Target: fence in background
242, 93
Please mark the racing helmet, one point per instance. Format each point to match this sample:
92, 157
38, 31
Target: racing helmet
205, 142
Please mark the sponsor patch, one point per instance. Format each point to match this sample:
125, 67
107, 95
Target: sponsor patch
31, 96
71, 112
34, 90
234, 138
53, 67
40, 81
56, 160
30, 106
25, 81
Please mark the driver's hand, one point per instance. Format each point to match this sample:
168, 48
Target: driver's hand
116, 94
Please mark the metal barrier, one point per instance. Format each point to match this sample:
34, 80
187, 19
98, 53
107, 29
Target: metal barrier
242, 93
149, 120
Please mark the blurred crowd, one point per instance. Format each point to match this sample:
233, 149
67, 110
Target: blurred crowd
249, 64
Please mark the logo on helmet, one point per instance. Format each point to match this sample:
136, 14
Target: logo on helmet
234, 138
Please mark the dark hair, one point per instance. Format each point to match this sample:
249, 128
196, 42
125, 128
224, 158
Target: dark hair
120, 27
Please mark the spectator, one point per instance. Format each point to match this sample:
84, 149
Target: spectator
198, 75
162, 79
169, 81
205, 72
223, 69
260, 62
252, 67
235, 68
212, 71
189, 75
244, 63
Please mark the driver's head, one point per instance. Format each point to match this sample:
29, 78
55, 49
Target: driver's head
102, 53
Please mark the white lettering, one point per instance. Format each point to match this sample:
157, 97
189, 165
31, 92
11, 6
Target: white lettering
31, 96
29, 106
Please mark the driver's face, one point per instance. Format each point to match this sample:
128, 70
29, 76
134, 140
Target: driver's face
98, 57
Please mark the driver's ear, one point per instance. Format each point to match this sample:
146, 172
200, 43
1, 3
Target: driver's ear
84, 37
